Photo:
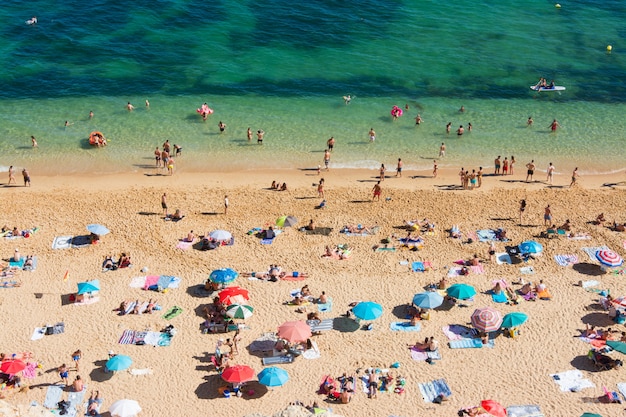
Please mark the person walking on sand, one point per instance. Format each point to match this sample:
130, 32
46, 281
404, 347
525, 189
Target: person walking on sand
550, 173
574, 177
11, 176
320, 188
376, 190
530, 167
399, 168
76, 358
522, 209
479, 177
442, 150
164, 204
435, 167
34, 142
225, 204
26, 176
547, 216
64, 374
326, 159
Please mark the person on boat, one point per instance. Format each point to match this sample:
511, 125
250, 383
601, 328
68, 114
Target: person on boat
551, 84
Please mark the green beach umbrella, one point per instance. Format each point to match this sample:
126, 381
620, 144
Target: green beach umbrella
461, 291
617, 345
513, 320
590, 415
239, 311
286, 221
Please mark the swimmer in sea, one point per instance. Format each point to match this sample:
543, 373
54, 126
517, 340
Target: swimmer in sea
372, 135
129, 106
91, 114
529, 122
347, 99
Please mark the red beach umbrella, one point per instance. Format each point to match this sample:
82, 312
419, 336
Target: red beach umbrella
233, 295
494, 408
294, 331
609, 258
238, 374
486, 319
12, 366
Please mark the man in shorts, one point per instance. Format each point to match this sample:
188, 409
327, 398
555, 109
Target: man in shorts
497, 165
164, 204
399, 168
530, 170
331, 143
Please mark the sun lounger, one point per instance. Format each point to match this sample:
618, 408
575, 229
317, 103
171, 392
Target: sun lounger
524, 411
470, 344
320, 326
53, 396
277, 360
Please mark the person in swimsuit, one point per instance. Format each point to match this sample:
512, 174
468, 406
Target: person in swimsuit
574, 177
164, 203
26, 176
448, 127
554, 125
550, 173
376, 190
522, 209
249, 133
505, 166
530, 170
11, 175
382, 172
497, 165
472, 179
460, 130
259, 136
157, 157
511, 165
479, 176
399, 168
331, 143
64, 374
435, 167
76, 358
372, 135
34, 142
326, 158
222, 126
442, 150
320, 188
492, 252
547, 215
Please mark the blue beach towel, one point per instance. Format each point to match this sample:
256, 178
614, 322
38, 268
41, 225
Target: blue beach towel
164, 281
76, 399
53, 396
500, 297
431, 390
486, 235
325, 307
418, 267
19, 264
470, 344
404, 326
267, 241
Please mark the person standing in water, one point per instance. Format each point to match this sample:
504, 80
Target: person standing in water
442, 150
372, 135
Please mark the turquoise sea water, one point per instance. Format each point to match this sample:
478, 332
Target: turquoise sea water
284, 67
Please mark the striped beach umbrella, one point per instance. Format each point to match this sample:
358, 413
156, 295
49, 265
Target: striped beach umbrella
239, 311
486, 319
609, 258
286, 221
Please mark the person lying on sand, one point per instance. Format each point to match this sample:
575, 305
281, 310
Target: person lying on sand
619, 227
599, 219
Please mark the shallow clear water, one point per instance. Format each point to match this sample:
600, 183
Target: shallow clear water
284, 69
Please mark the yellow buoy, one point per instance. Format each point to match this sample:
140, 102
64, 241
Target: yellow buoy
609, 48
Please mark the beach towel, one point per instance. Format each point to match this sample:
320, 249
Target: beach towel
172, 312
174, 282
10, 284
267, 241
320, 326
404, 326
477, 269
264, 343
499, 297
164, 282
151, 281
372, 231
527, 270
566, 260
385, 249
486, 235
17, 264
38, 333
422, 355
277, 360
323, 231
503, 258
127, 337
431, 390
589, 284
30, 372
458, 332
138, 372
524, 411
454, 271
418, 267
31, 267
313, 353
53, 396
544, 295
410, 241
87, 301
470, 344
579, 237
591, 251
56, 329
621, 387
76, 399
62, 242
571, 381
254, 230
138, 282
325, 307
292, 277
184, 245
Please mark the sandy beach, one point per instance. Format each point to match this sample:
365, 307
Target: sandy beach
182, 380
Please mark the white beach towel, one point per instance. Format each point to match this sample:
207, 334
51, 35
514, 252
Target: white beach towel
621, 386
572, 381
138, 282
146, 371
591, 251
38, 333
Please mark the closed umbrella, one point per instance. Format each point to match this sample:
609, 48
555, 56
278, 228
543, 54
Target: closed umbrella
609, 258
273, 377
124, 408
486, 319
367, 310
461, 291
239, 311
530, 246
238, 374
119, 363
98, 229
89, 286
233, 295
223, 275
286, 221
429, 299
494, 408
294, 331
12, 366
220, 235
513, 320
617, 345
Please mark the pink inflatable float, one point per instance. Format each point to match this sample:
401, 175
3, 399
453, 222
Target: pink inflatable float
205, 110
396, 112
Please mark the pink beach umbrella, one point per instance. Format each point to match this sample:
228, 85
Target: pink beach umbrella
294, 331
494, 408
486, 319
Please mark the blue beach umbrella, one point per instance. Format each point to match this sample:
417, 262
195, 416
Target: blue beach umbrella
530, 246
429, 299
367, 310
98, 229
89, 286
513, 320
461, 291
119, 363
223, 276
273, 377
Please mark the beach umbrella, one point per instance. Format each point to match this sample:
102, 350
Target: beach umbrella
294, 331
98, 229
286, 221
590, 415
238, 374
220, 235
239, 311
617, 345
493, 408
119, 363
233, 295
89, 286
273, 377
367, 310
429, 299
609, 258
124, 408
530, 246
223, 275
12, 366
486, 319
514, 319
461, 291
